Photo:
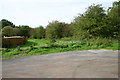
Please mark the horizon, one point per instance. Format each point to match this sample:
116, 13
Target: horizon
40, 12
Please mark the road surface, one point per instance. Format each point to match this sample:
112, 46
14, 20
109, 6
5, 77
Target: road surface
73, 64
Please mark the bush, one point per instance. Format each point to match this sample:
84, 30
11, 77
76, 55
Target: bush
7, 31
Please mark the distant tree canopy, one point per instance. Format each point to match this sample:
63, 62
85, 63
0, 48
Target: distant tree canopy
5, 22
54, 30
8, 31
37, 33
32, 33
40, 32
16, 31
94, 22
24, 30
67, 30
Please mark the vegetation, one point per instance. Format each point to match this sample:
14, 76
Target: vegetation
95, 22
5, 22
43, 46
54, 30
24, 30
8, 31
95, 29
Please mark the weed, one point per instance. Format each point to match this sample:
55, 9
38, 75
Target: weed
42, 46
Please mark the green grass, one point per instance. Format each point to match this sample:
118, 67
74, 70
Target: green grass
59, 46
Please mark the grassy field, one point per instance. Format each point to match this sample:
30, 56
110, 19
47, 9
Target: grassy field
43, 46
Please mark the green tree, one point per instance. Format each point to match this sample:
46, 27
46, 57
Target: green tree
0, 33
114, 18
94, 17
7, 31
16, 31
89, 24
5, 22
32, 33
54, 30
24, 30
66, 30
40, 32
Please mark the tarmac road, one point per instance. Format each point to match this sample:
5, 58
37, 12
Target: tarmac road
73, 64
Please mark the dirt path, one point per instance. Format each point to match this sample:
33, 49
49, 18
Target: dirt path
74, 64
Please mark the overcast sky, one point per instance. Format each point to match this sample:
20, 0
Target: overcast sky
40, 12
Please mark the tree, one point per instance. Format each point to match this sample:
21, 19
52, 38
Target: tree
32, 33
114, 18
0, 33
89, 24
24, 30
66, 30
40, 32
7, 31
94, 17
5, 22
16, 31
54, 30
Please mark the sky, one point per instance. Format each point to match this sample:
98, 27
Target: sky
40, 12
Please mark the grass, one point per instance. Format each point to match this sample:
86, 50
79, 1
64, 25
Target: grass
33, 47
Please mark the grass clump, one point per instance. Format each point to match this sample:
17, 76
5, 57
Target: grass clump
43, 46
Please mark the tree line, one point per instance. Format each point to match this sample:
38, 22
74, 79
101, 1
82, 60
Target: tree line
94, 22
